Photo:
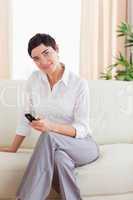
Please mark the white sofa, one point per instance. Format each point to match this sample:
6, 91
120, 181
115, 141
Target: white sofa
111, 113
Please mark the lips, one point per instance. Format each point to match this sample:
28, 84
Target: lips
46, 66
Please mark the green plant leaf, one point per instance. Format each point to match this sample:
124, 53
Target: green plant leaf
131, 74
129, 78
122, 64
122, 34
129, 45
120, 77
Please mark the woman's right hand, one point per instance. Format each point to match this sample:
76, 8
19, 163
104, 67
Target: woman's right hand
15, 145
3, 149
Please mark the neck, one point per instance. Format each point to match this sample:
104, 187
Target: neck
56, 75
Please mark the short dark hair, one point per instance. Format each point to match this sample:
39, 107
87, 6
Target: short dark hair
41, 38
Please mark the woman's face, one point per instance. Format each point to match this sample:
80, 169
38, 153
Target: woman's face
45, 57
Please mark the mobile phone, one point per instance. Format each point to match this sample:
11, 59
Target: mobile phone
30, 117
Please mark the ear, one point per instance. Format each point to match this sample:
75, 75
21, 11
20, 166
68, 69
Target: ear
57, 48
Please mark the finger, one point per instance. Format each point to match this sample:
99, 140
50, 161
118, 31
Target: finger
38, 118
34, 122
36, 128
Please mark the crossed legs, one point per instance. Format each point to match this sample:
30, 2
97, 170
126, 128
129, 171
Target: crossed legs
56, 153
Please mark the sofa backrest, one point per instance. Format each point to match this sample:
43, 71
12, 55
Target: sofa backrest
11, 102
111, 111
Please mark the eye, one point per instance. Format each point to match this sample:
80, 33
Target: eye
36, 59
46, 53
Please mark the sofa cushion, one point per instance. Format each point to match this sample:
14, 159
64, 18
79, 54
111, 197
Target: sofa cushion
112, 173
12, 167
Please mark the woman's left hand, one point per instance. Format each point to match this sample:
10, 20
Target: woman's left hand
42, 125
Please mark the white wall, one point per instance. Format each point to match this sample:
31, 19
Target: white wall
7, 35
61, 19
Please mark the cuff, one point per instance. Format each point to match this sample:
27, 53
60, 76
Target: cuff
24, 131
81, 131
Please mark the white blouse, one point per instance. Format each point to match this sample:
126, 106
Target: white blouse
67, 102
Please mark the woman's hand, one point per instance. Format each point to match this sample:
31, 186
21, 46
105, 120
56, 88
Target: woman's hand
3, 149
42, 125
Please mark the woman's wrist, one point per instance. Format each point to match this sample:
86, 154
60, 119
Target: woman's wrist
64, 129
51, 126
4, 149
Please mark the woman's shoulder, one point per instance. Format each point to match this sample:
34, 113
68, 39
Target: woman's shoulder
33, 79
35, 75
77, 80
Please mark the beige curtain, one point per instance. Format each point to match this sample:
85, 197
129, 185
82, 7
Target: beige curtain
4, 43
99, 44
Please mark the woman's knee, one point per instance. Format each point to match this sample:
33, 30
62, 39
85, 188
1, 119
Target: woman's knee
44, 140
63, 159
95, 153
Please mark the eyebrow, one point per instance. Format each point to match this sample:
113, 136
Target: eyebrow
44, 51
41, 53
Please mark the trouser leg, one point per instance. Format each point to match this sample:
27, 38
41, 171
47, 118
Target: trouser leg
71, 153
66, 166
55, 181
36, 182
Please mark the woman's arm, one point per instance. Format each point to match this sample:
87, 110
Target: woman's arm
44, 125
63, 129
15, 145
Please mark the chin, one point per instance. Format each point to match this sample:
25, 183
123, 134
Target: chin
50, 69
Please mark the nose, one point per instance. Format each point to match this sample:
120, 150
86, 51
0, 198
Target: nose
43, 60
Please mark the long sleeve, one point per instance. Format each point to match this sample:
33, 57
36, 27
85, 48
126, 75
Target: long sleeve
23, 127
81, 111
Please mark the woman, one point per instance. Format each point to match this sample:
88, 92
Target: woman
61, 99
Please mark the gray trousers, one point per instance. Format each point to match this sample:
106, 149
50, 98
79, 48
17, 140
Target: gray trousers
52, 163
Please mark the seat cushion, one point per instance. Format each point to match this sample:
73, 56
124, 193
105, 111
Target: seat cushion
112, 173
12, 167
